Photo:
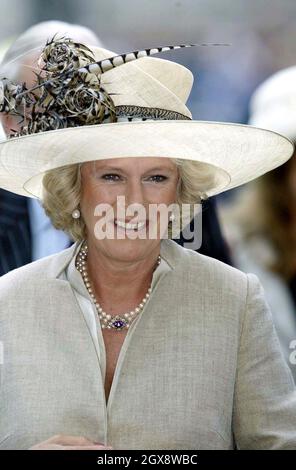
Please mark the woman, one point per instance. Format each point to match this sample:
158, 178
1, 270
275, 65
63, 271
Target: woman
127, 339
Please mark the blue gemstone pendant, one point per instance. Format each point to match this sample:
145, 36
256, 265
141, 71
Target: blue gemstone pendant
118, 323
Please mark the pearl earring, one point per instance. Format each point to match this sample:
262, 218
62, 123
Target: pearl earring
76, 214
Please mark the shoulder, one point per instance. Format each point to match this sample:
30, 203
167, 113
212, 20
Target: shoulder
210, 286
185, 259
214, 280
41, 270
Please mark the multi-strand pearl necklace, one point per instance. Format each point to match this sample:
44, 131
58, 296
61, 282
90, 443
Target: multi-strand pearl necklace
119, 322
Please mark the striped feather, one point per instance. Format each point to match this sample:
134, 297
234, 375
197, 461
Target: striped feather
108, 64
104, 65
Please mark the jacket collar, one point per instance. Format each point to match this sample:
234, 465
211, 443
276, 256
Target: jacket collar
170, 251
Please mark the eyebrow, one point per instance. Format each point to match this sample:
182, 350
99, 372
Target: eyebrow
148, 171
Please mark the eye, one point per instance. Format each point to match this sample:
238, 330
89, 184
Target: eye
159, 178
110, 177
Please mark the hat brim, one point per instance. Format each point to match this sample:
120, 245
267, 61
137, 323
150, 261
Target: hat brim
235, 153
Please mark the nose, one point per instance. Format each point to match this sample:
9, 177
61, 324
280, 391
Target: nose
134, 193
135, 198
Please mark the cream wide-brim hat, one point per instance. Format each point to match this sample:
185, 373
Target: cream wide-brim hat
235, 154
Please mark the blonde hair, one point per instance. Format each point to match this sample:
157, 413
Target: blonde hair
62, 190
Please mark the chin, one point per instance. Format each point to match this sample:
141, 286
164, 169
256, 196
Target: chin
129, 250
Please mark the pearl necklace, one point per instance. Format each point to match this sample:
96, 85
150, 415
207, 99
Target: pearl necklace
119, 322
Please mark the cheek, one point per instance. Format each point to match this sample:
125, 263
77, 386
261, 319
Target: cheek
91, 196
165, 194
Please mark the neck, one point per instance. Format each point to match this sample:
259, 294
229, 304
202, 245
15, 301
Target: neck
120, 284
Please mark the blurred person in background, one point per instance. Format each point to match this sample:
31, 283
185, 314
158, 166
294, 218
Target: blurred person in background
26, 233
260, 225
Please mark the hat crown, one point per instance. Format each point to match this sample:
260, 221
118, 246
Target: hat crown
175, 77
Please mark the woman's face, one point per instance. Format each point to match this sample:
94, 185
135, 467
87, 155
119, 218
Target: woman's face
140, 183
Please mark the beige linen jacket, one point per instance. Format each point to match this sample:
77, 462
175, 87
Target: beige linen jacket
201, 367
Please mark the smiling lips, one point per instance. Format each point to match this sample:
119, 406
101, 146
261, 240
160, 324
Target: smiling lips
131, 226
